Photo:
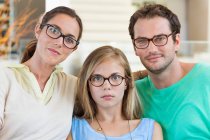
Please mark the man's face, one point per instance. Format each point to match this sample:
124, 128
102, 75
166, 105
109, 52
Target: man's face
156, 58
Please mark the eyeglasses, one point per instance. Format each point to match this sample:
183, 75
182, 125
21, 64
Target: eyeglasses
158, 40
55, 33
98, 80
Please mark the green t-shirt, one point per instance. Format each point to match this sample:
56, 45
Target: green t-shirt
182, 109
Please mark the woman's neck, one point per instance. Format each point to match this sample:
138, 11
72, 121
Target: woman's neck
40, 70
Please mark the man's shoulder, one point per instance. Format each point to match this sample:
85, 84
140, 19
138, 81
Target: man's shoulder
204, 65
142, 83
201, 67
188, 67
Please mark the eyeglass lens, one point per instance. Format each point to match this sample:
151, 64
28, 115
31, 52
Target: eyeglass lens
55, 33
98, 80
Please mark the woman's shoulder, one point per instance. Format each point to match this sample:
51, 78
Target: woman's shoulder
5, 71
66, 77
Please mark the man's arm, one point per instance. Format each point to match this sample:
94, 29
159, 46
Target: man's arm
140, 74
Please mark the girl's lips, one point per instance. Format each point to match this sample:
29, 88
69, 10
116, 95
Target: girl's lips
107, 97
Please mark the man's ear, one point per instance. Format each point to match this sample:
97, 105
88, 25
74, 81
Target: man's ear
37, 30
134, 47
177, 42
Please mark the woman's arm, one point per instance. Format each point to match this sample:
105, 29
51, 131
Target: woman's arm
157, 133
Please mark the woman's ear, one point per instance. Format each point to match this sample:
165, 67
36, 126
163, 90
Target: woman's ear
37, 30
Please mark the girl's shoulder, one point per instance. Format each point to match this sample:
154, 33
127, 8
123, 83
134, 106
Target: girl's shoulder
143, 121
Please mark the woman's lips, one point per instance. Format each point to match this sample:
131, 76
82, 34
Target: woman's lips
53, 51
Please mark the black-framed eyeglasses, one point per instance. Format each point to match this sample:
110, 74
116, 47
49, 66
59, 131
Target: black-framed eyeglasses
98, 80
157, 40
55, 33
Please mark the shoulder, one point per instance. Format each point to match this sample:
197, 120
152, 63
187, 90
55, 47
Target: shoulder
204, 66
195, 66
62, 76
5, 72
196, 70
148, 128
4, 69
79, 125
6, 78
145, 123
142, 82
157, 132
65, 75
142, 85
201, 70
154, 128
77, 122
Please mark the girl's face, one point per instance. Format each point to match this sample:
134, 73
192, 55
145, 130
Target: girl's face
53, 51
107, 95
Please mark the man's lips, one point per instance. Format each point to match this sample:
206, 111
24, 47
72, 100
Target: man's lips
53, 51
153, 57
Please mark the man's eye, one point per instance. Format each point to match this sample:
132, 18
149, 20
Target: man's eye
159, 38
141, 41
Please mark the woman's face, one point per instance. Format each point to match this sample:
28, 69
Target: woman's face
53, 51
108, 96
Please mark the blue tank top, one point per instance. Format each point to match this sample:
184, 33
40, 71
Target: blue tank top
81, 130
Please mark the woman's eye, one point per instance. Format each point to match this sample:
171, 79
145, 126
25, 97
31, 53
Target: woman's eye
54, 30
69, 40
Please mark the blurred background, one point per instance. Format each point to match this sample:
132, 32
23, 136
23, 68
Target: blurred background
105, 23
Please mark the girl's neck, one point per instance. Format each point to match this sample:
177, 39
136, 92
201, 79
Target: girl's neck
110, 116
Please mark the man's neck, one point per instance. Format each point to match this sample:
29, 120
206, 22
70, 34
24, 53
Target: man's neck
171, 75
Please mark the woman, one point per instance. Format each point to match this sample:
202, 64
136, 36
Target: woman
36, 97
108, 107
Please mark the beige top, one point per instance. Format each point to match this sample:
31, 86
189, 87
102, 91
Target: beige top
27, 113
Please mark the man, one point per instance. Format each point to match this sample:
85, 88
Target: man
175, 94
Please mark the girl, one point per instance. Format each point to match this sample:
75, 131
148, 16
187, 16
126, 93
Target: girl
108, 107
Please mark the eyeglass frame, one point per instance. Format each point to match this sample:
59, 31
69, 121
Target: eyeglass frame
61, 35
151, 39
106, 78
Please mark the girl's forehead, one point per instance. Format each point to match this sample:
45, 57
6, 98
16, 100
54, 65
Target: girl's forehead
109, 66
